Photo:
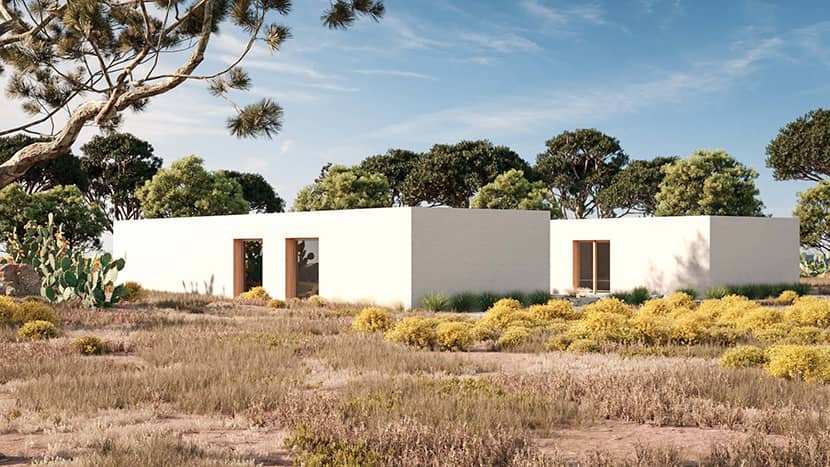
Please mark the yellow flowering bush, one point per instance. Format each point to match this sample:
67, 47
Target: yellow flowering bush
89, 345
415, 331
316, 300
601, 325
38, 329
743, 356
34, 310
276, 303
758, 318
608, 305
511, 303
680, 300
690, 329
513, 336
583, 346
650, 328
787, 297
372, 319
805, 362
135, 291
811, 311
553, 309
657, 306
8, 310
256, 293
454, 335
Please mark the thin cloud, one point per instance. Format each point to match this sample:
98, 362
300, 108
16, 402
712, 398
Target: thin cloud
505, 43
591, 13
399, 73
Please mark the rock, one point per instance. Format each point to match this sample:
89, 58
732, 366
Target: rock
19, 280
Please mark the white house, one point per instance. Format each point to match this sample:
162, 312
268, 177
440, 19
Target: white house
396, 256
388, 256
669, 253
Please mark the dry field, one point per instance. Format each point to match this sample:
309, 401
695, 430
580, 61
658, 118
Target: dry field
188, 382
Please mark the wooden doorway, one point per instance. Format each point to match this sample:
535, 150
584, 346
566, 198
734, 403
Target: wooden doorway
302, 267
247, 264
592, 265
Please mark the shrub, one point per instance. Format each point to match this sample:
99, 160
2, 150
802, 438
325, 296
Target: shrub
809, 363
276, 303
372, 319
689, 329
508, 302
637, 296
608, 305
316, 300
454, 335
538, 297
513, 336
134, 291
650, 328
559, 342
484, 331
89, 345
787, 297
436, 302
758, 319
8, 310
517, 295
256, 293
38, 329
716, 292
553, 309
743, 356
34, 310
657, 306
465, 301
486, 300
583, 346
414, 331
689, 291
681, 300
756, 291
807, 335
811, 311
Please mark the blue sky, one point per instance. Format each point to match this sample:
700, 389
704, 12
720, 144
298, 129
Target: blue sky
664, 77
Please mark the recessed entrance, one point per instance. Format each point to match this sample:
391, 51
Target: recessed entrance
247, 264
302, 267
592, 265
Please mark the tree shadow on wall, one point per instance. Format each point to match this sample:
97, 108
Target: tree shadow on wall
690, 270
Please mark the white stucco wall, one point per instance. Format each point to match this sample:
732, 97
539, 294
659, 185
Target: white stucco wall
479, 250
364, 254
754, 250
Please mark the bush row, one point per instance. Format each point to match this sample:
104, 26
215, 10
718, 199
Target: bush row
477, 302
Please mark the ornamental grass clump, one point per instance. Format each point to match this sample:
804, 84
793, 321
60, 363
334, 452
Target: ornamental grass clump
414, 331
743, 356
38, 330
89, 345
805, 362
372, 319
454, 335
436, 302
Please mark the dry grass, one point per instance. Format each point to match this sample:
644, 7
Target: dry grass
354, 398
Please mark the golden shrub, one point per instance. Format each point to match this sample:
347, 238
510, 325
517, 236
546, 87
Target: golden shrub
657, 306
559, 342
276, 303
414, 331
513, 336
316, 300
482, 331
256, 293
758, 318
773, 334
805, 362
743, 356
787, 297
507, 303
583, 346
8, 310
135, 291
372, 319
553, 309
89, 345
503, 316
34, 310
807, 335
650, 328
608, 305
680, 300
454, 335
38, 329
812, 311
601, 325
690, 329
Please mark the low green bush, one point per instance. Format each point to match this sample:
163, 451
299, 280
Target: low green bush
486, 300
538, 297
89, 345
436, 302
465, 302
743, 356
756, 291
38, 329
637, 296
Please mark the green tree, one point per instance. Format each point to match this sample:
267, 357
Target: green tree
395, 165
634, 189
813, 211
259, 194
186, 189
340, 187
708, 183
95, 59
450, 174
577, 166
83, 221
511, 190
117, 165
801, 151
44, 175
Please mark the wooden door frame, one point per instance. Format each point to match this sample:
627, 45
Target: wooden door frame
291, 264
239, 264
576, 261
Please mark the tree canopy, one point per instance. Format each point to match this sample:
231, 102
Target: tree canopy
395, 165
64, 170
83, 221
634, 189
578, 165
186, 189
511, 190
450, 174
259, 194
813, 211
92, 60
341, 187
801, 151
708, 183
117, 165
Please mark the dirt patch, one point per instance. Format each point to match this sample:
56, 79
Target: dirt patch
621, 439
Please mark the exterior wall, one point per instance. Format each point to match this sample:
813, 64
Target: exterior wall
364, 254
479, 250
754, 250
661, 253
